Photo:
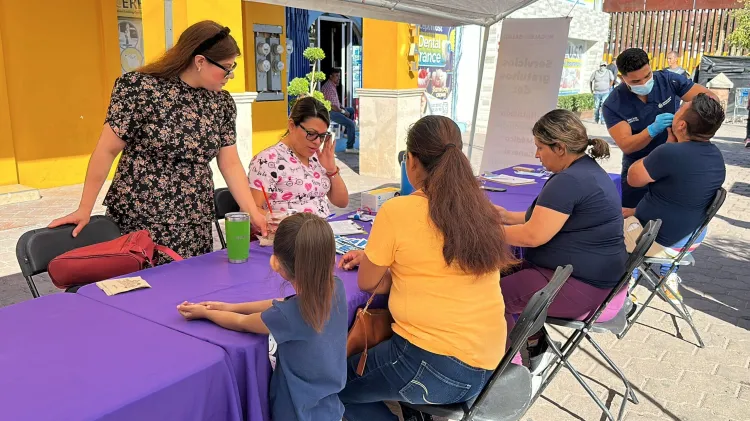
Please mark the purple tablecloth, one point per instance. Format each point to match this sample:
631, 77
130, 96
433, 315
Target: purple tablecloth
519, 198
212, 277
65, 357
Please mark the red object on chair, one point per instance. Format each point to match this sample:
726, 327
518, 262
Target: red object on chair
97, 262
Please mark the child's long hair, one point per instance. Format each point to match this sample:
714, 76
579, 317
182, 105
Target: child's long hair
305, 248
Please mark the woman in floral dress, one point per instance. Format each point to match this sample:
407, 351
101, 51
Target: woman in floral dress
170, 119
297, 173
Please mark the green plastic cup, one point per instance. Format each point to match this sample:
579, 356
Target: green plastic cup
238, 236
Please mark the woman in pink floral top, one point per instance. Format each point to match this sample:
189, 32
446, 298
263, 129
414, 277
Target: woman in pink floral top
296, 173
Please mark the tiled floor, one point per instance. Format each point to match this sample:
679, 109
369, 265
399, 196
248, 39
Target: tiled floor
674, 380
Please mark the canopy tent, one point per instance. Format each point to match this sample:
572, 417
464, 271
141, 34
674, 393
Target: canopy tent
484, 13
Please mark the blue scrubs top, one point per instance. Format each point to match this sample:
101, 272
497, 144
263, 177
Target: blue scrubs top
623, 105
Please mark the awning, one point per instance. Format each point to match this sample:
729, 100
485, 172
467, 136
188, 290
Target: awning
426, 12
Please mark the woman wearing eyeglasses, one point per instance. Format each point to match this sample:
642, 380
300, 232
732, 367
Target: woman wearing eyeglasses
169, 119
299, 173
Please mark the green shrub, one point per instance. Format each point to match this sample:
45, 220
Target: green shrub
576, 103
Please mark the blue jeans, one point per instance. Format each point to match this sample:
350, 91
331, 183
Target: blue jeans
396, 370
675, 249
351, 129
598, 101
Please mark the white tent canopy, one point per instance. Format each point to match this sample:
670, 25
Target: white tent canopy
425, 12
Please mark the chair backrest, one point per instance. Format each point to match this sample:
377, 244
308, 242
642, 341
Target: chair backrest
529, 322
36, 248
712, 210
643, 244
224, 203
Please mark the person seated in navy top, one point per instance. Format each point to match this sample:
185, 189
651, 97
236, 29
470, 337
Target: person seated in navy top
576, 219
681, 177
309, 328
639, 112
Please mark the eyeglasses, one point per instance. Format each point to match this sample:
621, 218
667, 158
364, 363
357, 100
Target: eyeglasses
311, 135
221, 66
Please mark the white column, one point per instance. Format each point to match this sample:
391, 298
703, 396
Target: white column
244, 101
384, 119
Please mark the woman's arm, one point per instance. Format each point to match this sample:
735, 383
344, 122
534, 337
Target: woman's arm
234, 174
105, 152
544, 224
339, 194
259, 200
370, 274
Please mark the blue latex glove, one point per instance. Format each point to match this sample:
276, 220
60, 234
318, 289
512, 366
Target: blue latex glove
660, 124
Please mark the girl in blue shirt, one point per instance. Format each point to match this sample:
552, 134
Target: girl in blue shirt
309, 328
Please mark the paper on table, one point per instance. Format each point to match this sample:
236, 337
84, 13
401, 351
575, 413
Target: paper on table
118, 286
346, 228
507, 179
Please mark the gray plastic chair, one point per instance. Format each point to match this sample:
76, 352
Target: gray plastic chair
224, 203
507, 394
36, 248
583, 328
656, 281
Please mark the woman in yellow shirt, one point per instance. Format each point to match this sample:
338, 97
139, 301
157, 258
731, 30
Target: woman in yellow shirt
438, 253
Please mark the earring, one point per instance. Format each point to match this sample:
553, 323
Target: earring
199, 68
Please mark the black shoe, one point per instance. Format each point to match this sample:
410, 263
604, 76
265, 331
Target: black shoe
414, 415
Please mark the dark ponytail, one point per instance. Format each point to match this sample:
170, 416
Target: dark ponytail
306, 250
471, 227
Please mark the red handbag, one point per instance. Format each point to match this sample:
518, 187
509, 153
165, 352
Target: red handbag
97, 262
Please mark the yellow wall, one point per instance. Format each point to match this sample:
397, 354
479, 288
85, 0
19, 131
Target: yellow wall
58, 83
385, 55
269, 118
8, 174
152, 18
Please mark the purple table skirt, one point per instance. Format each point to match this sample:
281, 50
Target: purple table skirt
65, 357
212, 277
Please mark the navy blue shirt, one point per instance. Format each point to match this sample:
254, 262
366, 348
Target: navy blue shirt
686, 177
311, 366
623, 105
592, 238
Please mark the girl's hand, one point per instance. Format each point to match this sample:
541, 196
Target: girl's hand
326, 155
192, 311
216, 305
351, 260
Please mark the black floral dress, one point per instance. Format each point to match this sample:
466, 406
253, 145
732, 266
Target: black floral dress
163, 181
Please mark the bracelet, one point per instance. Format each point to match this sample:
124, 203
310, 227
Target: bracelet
333, 174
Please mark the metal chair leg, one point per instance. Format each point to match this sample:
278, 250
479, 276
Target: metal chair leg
32, 287
221, 235
629, 393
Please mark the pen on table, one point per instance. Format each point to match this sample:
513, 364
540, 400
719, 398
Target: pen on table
330, 216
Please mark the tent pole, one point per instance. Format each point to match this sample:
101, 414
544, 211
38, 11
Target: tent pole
485, 39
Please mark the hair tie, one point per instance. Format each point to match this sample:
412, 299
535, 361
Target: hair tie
590, 141
450, 145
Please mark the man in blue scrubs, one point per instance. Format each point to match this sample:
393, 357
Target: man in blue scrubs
639, 113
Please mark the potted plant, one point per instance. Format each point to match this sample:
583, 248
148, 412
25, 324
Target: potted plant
301, 87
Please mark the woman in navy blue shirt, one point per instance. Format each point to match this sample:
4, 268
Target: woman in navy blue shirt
576, 219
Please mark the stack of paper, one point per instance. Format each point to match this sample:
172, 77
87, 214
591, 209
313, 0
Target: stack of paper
507, 179
346, 228
117, 286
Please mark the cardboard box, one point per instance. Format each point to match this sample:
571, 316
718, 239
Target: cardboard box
374, 199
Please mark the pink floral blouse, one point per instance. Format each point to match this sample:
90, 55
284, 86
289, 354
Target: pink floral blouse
290, 184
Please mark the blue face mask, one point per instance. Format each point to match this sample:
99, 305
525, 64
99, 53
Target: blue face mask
644, 89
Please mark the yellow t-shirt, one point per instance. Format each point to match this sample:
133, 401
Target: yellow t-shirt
438, 308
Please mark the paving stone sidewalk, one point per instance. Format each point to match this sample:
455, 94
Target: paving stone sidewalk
674, 380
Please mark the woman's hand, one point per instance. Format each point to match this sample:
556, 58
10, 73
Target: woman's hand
79, 218
326, 155
216, 305
351, 260
503, 213
192, 311
259, 221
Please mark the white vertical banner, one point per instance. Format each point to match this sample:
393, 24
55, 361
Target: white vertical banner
527, 80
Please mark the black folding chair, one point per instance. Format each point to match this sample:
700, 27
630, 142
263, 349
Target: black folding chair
36, 248
685, 258
224, 203
583, 328
507, 394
